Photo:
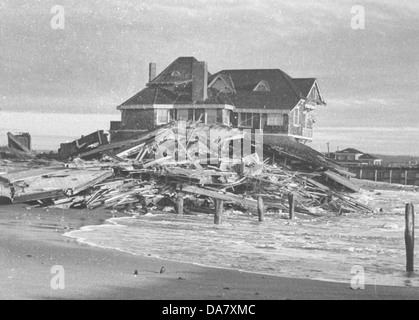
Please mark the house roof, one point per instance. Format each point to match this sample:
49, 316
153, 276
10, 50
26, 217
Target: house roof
178, 71
158, 95
305, 85
284, 92
350, 150
367, 156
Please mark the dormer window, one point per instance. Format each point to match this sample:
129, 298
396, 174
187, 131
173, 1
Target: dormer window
262, 86
222, 83
175, 74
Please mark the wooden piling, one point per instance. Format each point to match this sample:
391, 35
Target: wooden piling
261, 209
219, 207
409, 236
179, 203
291, 204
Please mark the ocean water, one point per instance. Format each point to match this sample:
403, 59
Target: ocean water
376, 140
49, 130
326, 248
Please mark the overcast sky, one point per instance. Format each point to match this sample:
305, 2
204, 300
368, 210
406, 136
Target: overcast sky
368, 77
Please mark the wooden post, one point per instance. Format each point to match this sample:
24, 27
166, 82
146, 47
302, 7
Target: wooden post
360, 173
405, 178
99, 137
219, 207
391, 176
180, 204
409, 236
291, 204
376, 175
261, 209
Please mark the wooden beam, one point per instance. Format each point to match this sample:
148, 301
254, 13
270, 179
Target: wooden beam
261, 209
179, 203
91, 183
219, 207
250, 203
38, 196
291, 203
410, 237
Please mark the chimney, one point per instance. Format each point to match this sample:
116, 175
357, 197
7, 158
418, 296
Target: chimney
152, 71
199, 81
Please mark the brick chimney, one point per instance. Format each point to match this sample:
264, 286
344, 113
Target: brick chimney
152, 71
199, 81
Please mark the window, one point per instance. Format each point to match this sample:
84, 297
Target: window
297, 116
183, 114
162, 116
200, 115
211, 116
262, 86
221, 85
246, 120
275, 120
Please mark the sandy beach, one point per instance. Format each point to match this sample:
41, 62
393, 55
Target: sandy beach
32, 242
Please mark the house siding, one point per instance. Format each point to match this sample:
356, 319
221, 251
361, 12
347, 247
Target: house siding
138, 119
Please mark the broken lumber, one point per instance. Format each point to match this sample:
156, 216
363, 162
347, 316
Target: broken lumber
250, 203
15, 143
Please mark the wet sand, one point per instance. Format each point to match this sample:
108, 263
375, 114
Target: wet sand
32, 242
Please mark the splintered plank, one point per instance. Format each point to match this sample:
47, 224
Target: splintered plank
52, 186
43, 195
251, 203
29, 174
93, 181
341, 180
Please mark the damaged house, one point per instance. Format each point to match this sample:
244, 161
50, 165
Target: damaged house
259, 99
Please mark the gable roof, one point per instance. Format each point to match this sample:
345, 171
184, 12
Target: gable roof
305, 85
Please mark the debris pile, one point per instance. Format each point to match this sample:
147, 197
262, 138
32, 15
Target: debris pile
184, 167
